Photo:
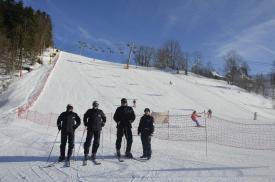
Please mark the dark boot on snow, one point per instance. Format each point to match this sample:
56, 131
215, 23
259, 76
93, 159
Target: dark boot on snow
86, 157
143, 156
118, 153
68, 163
61, 158
129, 155
93, 156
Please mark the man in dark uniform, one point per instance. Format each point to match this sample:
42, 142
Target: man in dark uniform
146, 129
67, 122
124, 117
94, 120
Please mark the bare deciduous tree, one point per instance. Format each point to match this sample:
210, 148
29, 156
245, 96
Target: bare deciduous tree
273, 79
170, 55
144, 56
197, 66
231, 66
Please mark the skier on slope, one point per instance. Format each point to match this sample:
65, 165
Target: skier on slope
67, 122
146, 129
209, 114
124, 117
94, 120
194, 118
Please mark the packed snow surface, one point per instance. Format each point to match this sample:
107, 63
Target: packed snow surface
77, 80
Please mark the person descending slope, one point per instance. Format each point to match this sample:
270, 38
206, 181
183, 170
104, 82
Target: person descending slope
67, 122
94, 120
146, 129
194, 117
209, 114
124, 117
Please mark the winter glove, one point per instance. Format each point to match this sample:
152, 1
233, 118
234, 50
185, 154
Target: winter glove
102, 124
59, 127
75, 126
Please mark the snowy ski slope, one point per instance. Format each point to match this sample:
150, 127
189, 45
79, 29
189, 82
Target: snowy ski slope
79, 80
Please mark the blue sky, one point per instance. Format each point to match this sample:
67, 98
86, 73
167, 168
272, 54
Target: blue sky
212, 27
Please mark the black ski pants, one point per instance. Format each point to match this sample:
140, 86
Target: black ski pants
146, 144
96, 142
127, 131
65, 136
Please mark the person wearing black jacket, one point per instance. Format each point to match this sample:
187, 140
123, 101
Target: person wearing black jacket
67, 122
146, 129
124, 117
94, 120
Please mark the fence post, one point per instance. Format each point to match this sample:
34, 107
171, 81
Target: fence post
34, 117
111, 120
50, 120
27, 115
206, 137
168, 125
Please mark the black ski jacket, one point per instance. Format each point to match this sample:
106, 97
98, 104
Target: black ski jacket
146, 125
94, 119
68, 121
124, 116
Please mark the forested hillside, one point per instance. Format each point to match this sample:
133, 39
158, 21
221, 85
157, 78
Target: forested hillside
24, 34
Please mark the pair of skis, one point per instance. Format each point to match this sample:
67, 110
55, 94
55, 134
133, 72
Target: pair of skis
133, 158
85, 162
95, 162
140, 159
66, 164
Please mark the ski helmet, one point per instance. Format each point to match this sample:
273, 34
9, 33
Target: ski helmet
123, 101
146, 110
95, 104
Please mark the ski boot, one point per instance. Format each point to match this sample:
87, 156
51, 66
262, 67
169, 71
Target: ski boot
93, 156
129, 155
118, 153
61, 158
68, 163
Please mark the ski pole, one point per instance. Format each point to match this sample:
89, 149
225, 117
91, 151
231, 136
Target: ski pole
74, 150
53, 146
124, 140
102, 145
81, 141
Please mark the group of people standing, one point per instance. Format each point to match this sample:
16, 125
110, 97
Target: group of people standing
94, 119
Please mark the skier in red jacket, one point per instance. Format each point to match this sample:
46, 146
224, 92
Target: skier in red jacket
194, 117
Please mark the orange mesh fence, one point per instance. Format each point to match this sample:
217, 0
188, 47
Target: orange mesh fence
23, 109
182, 128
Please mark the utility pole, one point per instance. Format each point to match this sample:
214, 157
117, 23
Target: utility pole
186, 64
82, 45
131, 46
